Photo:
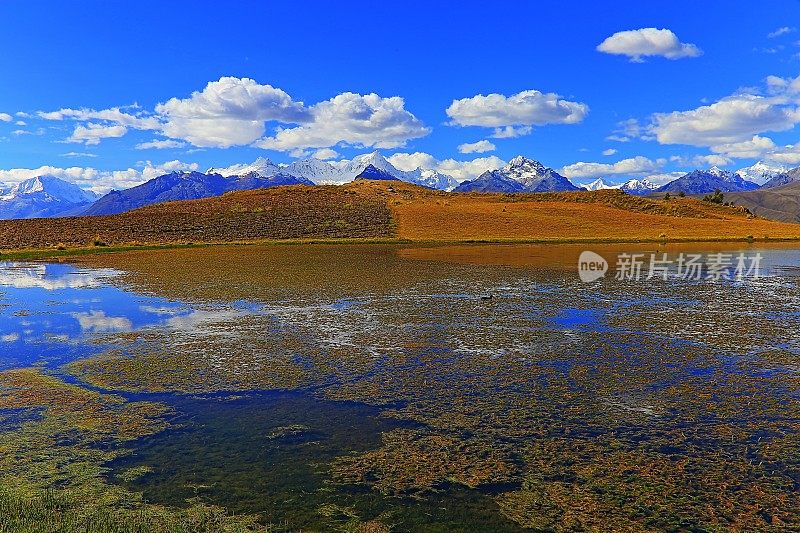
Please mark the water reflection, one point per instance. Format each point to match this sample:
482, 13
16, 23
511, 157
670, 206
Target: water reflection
54, 313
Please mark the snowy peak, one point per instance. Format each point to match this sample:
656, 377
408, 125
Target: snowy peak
44, 196
642, 186
52, 188
762, 172
598, 185
706, 181
261, 166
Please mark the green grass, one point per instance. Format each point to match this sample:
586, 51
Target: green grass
51, 511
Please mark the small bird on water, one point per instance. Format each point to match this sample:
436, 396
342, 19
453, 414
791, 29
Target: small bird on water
487, 296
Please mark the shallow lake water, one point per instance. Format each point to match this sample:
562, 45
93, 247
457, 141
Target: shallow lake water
466, 388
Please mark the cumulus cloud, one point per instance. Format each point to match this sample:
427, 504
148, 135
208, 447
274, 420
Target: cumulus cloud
460, 170
368, 121
99, 322
781, 31
228, 112
514, 115
160, 144
730, 120
237, 111
99, 181
787, 155
476, 147
753, 148
5, 117
648, 42
91, 134
638, 165
610, 151
701, 161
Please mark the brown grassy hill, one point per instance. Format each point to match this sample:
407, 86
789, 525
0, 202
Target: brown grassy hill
780, 203
293, 212
381, 209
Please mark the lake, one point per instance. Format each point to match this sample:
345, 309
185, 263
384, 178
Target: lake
407, 388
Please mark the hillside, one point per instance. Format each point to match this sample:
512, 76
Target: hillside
778, 203
395, 209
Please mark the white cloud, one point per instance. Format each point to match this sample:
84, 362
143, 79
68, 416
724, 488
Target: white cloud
92, 133
526, 109
780, 31
78, 154
627, 130
476, 147
115, 115
754, 148
460, 170
99, 322
787, 155
511, 132
648, 42
10, 337
701, 161
610, 151
5, 117
237, 111
160, 144
230, 111
638, 165
730, 120
359, 120
21, 123
326, 153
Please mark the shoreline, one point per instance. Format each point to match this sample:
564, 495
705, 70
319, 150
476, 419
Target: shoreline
42, 254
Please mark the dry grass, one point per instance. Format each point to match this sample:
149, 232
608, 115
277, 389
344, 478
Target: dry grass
397, 210
604, 215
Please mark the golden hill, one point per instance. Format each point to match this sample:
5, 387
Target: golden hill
391, 209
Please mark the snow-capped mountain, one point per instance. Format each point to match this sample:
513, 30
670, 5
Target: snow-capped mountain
706, 181
762, 172
530, 175
790, 176
261, 166
491, 181
642, 186
185, 186
598, 185
434, 179
316, 170
323, 172
372, 173
44, 196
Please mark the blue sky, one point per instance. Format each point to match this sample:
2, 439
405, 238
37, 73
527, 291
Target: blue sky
722, 87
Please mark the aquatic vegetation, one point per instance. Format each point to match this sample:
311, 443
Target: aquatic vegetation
554, 405
52, 466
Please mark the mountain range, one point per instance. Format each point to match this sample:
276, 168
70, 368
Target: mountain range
519, 175
705, 181
48, 196
185, 186
44, 196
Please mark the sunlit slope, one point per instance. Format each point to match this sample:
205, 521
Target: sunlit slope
597, 215
398, 210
